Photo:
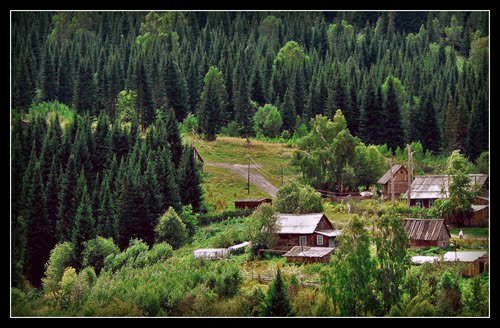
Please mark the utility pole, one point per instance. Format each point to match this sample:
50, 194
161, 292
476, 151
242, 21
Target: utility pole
392, 179
410, 172
248, 179
281, 174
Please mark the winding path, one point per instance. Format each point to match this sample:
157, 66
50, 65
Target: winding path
255, 178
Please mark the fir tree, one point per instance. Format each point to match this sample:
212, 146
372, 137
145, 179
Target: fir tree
189, 180
84, 226
277, 303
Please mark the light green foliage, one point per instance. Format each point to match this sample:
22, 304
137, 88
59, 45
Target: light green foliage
296, 198
171, 229
253, 303
162, 25
290, 55
128, 257
263, 227
189, 124
350, 279
60, 257
188, 217
268, 121
50, 110
231, 129
479, 52
330, 157
126, 111
399, 89
96, 250
393, 260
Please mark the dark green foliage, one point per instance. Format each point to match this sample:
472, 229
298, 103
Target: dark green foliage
189, 180
394, 131
277, 302
83, 227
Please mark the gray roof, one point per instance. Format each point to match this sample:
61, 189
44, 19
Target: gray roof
297, 223
476, 208
463, 256
425, 229
252, 199
242, 245
329, 232
387, 174
436, 186
307, 251
211, 253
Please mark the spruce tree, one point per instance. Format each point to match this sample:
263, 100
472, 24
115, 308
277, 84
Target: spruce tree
189, 180
288, 112
277, 302
393, 128
84, 226
431, 137
450, 126
177, 90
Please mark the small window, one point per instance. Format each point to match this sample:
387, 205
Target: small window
418, 202
319, 239
303, 240
431, 202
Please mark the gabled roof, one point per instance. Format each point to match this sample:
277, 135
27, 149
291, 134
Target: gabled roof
297, 223
252, 199
389, 172
436, 186
476, 208
425, 229
329, 233
307, 251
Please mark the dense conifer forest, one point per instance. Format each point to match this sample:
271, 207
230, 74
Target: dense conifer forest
98, 99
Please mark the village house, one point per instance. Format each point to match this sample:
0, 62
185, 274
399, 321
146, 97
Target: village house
305, 230
400, 175
251, 203
425, 189
474, 262
307, 254
427, 232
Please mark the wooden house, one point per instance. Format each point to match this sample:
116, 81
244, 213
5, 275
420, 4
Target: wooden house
475, 262
478, 218
251, 203
400, 175
307, 254
425, 189
305, 230
427, 232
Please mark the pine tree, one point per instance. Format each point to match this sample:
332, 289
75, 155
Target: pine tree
84, 226
84, 89
477, 131
431, 138
190, 181
177, 90
167, 178
152, 200
66, 208
38, 230
144, 97
174, 137
450, 125
462, 121
212, 105
277, 303
288, 112
393, 128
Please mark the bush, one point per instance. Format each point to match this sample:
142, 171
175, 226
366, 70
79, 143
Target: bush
189, 124
296, 198
171, 229
189, 219
285, 135
231, 130
127, 257
96, 250
206, 219
159, 252
61, 256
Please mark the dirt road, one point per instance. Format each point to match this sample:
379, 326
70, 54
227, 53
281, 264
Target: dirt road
255, 178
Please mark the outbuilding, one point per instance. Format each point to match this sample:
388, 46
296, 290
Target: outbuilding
427, 232
307, 254
400, 175
251, 203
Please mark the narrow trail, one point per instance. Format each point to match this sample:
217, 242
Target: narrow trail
255, 178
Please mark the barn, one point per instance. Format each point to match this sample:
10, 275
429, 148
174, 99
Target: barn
427, 232
307, 254
251, 203
400, 175
425, 189
305, 230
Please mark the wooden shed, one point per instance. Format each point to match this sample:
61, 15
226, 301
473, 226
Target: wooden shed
305, 230
476, 262
400, 175
478, 218
307, 254
251, 203
427, 232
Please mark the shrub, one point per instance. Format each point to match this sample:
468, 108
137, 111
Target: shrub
127, 257
60, 257
171, 229
206, 219
296, 198
285, 135
268, 121
96, 250
231, 130
159, 252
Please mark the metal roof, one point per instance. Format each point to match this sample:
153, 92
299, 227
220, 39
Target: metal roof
425, 229
463, 256
252, 199
329, 233
297, 223
436, 186
211, 253
419, 259
307, 251
387, 174
476, 208
242, 245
